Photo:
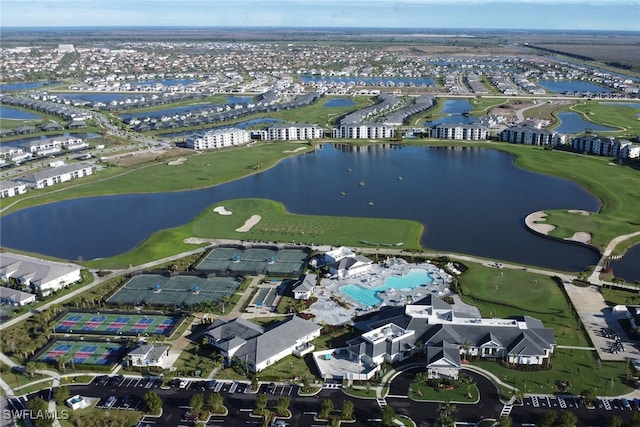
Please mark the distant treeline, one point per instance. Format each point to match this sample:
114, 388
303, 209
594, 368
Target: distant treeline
560, 52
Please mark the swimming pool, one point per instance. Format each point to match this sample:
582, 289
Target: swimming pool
369, 297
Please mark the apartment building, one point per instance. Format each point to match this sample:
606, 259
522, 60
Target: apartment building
218, 138
291, 132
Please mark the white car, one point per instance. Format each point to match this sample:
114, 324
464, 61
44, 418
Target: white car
183, 384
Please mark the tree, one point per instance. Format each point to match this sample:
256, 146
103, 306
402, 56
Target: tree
388, 415
261, 402
589, 396
635, 420
548, 418
504, 422
446, 408
326, 408
196, 402
567, 419
39, 406
347, 410
215, 403
615, 421
153, 402
282, 406
61, 394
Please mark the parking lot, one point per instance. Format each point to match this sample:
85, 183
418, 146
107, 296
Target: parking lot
125, 402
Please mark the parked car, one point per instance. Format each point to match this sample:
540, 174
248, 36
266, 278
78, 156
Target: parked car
111, 400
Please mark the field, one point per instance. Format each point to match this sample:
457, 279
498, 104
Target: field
504, 292
81, 352
276, 225
617, 187
507, 292
116, 324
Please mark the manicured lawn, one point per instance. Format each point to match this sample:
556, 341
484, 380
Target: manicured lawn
620, 296
276, 225
505, 292
427, 393
617, 187
616, 116
482, 106
577, 366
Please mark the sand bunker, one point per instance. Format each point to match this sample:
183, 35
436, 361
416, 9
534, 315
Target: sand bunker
294, 151
222, 210
176, 162
581, 236
248, 225
532, 221
578, 211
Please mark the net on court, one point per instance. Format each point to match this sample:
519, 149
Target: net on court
159, 290
69, 352
116, 323
251, 261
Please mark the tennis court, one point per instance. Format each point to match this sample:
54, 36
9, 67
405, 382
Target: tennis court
82, 352
177, 291
256, 260
116, 324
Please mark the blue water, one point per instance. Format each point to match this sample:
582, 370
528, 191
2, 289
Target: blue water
339, 102
22, 86
574, 123
562, 86
14, 113
622, 104
371, 81
454, 110
369, 297
628, 267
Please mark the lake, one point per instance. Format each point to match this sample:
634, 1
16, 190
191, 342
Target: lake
574, 123
455, 112
23, 86
338, 102
628, 267
16, 114
471, 200
562, 86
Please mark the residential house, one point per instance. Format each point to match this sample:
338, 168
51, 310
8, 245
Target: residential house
15, 297
11, 189
57, 175
37, 274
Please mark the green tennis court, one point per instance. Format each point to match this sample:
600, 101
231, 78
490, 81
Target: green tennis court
116, 324
82, 352
267, 260
177, 291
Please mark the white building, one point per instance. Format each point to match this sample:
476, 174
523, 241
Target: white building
218, 138
460, 131
16, 297
148, 355
11, 189
242, 341
606, 146
343, 262
37, 274
304, 287
57, 175
364, 131
529, 135
291, 132
47, 146
431, 327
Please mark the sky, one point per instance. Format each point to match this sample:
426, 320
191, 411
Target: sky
489, 14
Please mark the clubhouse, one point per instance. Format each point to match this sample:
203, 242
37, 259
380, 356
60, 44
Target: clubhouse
433, 328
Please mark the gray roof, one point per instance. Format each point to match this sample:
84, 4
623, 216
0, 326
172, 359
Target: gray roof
53, 172
260, 347
37, 271
305, 283
14, 295
149, 352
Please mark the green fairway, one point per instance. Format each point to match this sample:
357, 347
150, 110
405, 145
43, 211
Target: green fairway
617, 187
276, 224
506, 292
617, 116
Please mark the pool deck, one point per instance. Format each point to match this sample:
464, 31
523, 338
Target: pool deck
329, 309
